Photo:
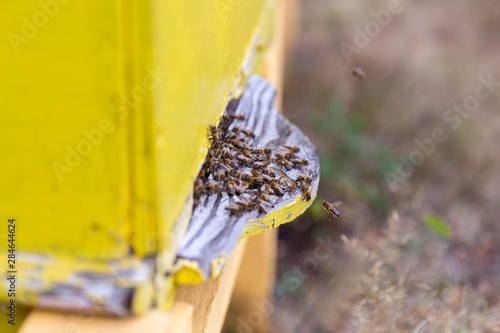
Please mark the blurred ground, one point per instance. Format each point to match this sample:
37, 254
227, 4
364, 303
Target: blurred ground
388, 271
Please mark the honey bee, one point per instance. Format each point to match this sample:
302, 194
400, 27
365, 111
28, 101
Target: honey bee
293, 149
292, 186
269, 172
199, 189
284, 163
261, 208
243, 158
260, 165
230, 162
261, 151
331, 209
256, 180
264, 197
305, 179
277, 188
279, 156
358, 73
236, 209
245, 151
214, 188
235, 116
307, 194
232, 136
204, 173
248, 133
300, 161
233, 173
244, 176
266, 189
219, 176
238, 143
241, 188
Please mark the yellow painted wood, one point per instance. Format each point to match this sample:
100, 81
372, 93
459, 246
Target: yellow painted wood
203, 52
57, 87
210, 299
188, 271
105, 111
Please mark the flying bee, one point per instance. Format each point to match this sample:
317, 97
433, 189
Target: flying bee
358, 73
331, 208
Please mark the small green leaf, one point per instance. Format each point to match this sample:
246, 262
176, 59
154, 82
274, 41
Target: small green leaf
437, 225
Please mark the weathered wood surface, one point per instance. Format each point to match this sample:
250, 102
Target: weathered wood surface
177, 319
213, 233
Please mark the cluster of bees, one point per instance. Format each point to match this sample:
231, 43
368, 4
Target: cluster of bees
253, 177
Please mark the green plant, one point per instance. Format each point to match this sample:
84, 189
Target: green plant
349, 163
437, 225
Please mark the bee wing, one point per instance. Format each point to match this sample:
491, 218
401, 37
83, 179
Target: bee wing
338, 203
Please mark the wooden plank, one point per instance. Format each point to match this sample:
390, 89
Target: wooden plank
178, 319
213, 231
251, 298
211, 298
251, 302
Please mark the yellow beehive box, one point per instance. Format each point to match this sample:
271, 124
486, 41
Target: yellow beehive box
105, 109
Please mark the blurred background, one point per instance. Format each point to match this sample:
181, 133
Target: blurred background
420, 253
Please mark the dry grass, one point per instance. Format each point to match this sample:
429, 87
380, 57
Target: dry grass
391, 273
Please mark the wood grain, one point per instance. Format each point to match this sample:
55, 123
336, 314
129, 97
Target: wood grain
213, 233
